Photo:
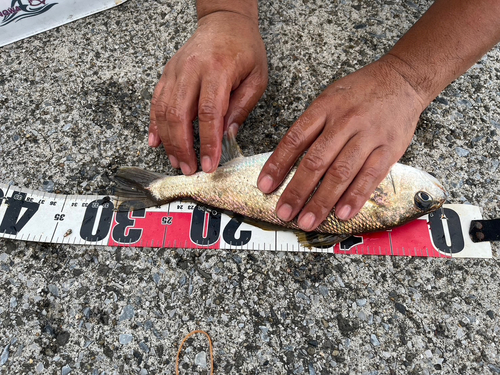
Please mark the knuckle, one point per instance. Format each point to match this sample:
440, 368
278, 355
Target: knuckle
241, 113
359, 191
190, 62
313, 162
207, 111
179, 151
371, 173
357, 196
293, 195
160, 110
366, 182
323, 204
174, 115
260, 81
340, 172
294, 139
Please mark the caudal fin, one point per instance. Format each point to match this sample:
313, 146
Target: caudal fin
133, 185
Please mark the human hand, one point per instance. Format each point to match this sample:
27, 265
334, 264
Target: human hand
353, 133
218, 75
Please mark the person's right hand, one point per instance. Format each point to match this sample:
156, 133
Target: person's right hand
218, 75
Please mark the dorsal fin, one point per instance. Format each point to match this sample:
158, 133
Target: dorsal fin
230, 149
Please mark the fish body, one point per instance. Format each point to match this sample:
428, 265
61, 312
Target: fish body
405, 194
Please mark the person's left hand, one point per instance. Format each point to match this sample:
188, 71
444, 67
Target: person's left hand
353, 133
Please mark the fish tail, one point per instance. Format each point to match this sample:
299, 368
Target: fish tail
133, 184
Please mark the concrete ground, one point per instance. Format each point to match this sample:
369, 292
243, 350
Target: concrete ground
74, 105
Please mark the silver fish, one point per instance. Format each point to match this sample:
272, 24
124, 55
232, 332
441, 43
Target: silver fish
405, 194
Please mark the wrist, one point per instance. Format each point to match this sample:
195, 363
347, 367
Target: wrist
424, 84
246, 8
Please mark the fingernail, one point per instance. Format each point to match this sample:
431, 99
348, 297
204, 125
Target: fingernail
344, 212
173, 161
206, 164
186, 169
285, 212
151, 139
233, 129
306, 222
266, 184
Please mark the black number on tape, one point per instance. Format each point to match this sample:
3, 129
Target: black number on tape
350, 242
454, 230
12, 223
205, 232
167, 220
124, 231
59, 217
90, 217
229, 233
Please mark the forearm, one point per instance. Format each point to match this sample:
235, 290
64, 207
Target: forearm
247, 8
449, 38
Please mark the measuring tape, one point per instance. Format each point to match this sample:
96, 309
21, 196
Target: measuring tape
30, 215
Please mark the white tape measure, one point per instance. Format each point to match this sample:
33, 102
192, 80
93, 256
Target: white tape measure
30, 215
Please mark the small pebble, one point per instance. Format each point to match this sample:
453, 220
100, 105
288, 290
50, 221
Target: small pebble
462, 151
201, 360
127, 313
5, 355
400, 307
374, 340
144, 347
39, 367
125, 339
54, 290
48, 186
323, 290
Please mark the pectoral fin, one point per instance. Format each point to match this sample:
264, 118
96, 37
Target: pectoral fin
230, 149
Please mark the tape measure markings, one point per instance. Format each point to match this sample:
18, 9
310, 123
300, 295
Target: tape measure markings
32, 215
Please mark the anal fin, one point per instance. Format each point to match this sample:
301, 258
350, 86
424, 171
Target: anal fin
319, 240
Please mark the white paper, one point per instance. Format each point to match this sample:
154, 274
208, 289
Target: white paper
20, 19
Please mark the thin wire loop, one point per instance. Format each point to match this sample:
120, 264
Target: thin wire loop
182, 343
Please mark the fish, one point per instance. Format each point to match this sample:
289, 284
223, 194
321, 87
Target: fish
405, 194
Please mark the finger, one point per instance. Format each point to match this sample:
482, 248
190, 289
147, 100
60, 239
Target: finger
334, 151
177, 131
374, 170
336, 180
212, 107
158, 114
243, 100
153, 137
298, 139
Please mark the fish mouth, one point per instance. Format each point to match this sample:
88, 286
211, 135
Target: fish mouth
442, 188
443, 197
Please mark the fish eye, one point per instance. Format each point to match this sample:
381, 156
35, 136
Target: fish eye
423, 200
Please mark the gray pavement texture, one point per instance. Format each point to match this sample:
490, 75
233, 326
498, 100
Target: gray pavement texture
74, 105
